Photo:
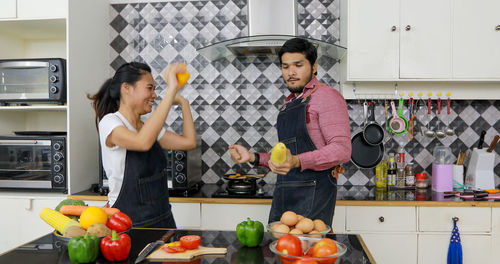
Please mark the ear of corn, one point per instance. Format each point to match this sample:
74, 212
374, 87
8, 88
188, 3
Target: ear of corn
278, 154
57, 220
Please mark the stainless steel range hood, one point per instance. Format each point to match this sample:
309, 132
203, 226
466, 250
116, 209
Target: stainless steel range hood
270, 24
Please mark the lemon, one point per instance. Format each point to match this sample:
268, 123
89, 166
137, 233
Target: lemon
278, 154
183, 77
93, 215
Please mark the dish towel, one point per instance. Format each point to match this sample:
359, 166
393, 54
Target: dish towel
455, 248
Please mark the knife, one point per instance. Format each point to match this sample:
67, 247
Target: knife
153, 246
481, 140
493, 143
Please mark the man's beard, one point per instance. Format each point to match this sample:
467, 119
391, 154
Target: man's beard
300, 89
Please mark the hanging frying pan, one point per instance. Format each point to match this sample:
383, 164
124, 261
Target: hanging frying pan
373, 133
364, 155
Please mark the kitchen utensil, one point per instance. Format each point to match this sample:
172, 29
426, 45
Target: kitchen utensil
479, 173
400, 114
481, 140
448, 131
363, 154
239, 176
386, 115
396, 123
153, 246
410, 122
428, 132
161, 255
373, 133
493, 144
439, 132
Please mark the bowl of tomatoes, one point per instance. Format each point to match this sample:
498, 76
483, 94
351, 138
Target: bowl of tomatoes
290, 249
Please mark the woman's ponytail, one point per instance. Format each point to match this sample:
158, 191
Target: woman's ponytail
107, 99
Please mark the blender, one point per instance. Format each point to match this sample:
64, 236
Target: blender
442, 169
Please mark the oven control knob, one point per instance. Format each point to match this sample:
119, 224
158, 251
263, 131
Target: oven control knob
53, 68
179, 155
179, 167
57, 146
53, 79
58, 156
180, 178
58, 167
58, 178
53, 90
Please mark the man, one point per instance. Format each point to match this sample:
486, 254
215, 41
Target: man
314, 125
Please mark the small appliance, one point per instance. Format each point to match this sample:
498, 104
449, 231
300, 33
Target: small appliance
442, 170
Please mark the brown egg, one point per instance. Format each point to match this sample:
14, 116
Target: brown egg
306, 225
299, 217
314, 233
319, 225
296, 231
281, 228
289, 218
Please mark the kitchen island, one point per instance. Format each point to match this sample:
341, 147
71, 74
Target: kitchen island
48, 249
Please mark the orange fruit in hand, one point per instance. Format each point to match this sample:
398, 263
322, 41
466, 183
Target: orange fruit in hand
93, 215
183, 77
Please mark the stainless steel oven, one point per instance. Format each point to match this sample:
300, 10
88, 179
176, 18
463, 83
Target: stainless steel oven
25, 81
33, 162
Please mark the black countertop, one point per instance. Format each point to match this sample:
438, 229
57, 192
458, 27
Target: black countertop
49, 250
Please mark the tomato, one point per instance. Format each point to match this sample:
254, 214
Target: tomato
309, 252
190, 242
325, 247
290, 245
305, 261
173, 249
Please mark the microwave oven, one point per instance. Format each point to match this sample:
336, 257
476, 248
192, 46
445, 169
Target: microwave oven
33, 162
183, 171
24, 81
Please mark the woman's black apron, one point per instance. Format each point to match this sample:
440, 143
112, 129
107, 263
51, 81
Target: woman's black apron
309, 193
144, 193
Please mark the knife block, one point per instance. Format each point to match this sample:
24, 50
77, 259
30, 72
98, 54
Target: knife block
480, 171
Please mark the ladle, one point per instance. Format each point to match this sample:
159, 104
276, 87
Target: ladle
428, 132
448, 130
439, 132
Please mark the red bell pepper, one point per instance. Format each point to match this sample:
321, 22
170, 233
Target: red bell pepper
119, 222
116, 247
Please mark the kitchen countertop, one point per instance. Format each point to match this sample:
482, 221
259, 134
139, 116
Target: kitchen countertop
346, 196
48, 250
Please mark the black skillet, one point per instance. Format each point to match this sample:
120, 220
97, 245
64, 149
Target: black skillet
364, 155
372, 132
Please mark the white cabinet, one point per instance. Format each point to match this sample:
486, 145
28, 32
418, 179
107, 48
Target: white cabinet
187, 215
433, 248
62, 29
439, 219
8, 9
21, 222
476, 40
228, 216
398, 39
379, 218
392, 248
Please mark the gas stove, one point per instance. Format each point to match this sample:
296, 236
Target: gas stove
261, 192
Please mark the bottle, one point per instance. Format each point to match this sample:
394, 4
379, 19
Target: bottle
380, 180
391, 171
409, 175
400, 178
401, 158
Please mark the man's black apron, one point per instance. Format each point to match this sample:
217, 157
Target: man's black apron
144, 193
309, 193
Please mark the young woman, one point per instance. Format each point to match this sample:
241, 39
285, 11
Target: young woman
132, 145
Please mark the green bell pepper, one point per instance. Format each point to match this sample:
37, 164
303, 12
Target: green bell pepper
250, 233
83, 249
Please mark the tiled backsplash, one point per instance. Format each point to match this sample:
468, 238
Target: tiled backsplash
236, 100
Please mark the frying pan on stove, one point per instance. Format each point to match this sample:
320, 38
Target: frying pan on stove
364, 155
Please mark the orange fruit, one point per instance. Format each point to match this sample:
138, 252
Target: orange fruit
93, 215
183, 77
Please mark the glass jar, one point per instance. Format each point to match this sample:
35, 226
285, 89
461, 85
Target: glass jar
400, 178
421, 180
409, 175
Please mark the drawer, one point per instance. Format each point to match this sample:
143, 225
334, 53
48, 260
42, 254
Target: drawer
9, 9
439, 219
381, 218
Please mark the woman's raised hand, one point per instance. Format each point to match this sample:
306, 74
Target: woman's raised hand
179, 99
170, 76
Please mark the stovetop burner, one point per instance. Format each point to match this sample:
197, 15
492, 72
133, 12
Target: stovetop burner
244, 189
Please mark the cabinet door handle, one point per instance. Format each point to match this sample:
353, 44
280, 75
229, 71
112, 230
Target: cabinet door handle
408, 27
455, 219
393, 28
497, 28
381, 219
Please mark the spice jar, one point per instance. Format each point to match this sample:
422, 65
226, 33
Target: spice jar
409, 175
421, 180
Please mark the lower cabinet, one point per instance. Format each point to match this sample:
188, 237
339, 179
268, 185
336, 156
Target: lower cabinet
228, 216
187, 215
433, 248
392, 248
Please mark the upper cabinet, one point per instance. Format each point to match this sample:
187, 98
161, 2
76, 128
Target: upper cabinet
77, 31
407, 40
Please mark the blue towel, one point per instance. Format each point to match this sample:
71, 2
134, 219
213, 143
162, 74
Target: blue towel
455, 248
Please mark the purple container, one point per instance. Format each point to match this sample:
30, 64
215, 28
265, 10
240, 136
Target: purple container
442, 177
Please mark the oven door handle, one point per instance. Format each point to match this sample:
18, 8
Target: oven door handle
25, 142
23, 64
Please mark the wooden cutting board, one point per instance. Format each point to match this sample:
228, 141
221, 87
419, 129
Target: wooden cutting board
160, 254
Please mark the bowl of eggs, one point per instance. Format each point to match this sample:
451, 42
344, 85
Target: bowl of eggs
298, 225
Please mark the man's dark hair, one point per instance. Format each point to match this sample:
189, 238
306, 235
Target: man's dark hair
300, 45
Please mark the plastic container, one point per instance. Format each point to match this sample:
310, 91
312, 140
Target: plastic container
421, 180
